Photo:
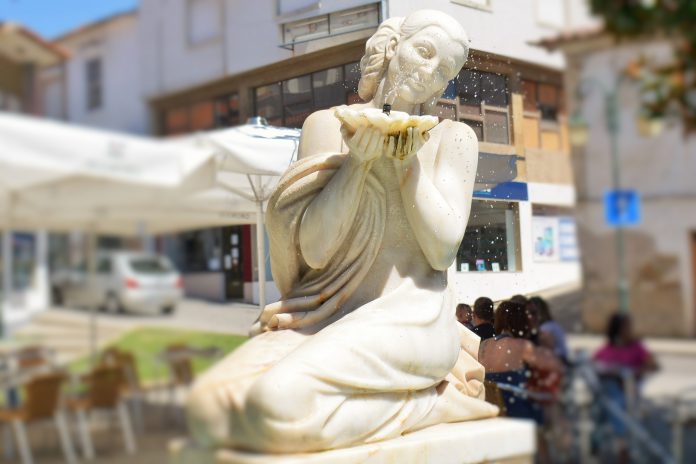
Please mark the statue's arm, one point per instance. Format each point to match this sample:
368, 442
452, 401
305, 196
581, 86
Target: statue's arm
330, 215
438, 208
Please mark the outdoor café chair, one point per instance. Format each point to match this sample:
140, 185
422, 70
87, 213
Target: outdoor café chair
42, 401
104, 384
132, 390
179, 361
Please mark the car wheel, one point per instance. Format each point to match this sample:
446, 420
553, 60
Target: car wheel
167, 310
112, 305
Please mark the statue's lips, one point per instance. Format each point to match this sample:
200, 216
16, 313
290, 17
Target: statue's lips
394, 123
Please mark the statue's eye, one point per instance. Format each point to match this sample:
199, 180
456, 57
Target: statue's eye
424, 52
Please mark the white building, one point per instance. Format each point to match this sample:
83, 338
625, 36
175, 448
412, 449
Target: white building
102, 79
199, 64
661, 249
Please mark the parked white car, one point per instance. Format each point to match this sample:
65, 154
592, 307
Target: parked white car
123, 282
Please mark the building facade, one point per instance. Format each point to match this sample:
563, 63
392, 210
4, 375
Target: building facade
24, 57
207, 64
661, 248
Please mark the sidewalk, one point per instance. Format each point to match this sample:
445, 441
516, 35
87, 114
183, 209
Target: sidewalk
68, 330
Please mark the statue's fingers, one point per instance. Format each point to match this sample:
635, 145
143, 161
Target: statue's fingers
399, 145
409, 141
391, 145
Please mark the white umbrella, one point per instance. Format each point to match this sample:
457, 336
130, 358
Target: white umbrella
57, 176
51, 168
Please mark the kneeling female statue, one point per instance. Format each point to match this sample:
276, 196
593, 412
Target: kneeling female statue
364, 345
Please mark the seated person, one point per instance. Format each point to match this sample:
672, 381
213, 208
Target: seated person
464, 315
509, 357
622, 356
483, 318
551, 334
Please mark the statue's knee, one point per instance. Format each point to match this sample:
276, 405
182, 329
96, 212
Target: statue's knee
280, 395
207, 417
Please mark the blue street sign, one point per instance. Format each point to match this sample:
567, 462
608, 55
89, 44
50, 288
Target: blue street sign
621, 208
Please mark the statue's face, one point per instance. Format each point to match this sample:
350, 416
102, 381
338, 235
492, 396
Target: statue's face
421, 65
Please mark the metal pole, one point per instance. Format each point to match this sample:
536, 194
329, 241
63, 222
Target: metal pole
7, 265
613, 127
91, 274
260, 254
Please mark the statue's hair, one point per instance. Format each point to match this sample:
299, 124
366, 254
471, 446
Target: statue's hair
374, 64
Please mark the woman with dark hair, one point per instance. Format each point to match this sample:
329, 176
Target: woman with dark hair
622, 358
551, 334
510, 356
623, 350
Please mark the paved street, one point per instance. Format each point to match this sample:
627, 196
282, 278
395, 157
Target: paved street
68, 330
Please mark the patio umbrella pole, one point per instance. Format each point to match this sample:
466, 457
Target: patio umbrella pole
7, 259
261, 254
91, 273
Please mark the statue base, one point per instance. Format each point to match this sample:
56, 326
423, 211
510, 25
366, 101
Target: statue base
498, 440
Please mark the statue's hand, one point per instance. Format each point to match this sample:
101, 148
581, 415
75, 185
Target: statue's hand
366, 144
407, 144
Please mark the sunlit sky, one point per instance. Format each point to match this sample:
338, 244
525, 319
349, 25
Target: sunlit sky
51, 18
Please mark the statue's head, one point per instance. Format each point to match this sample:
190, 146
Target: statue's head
415, 56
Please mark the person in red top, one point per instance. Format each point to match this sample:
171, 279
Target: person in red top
623, 357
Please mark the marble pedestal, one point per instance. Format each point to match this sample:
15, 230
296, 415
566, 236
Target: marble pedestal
498, 440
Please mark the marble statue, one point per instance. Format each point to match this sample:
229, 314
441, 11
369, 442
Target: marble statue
364, 345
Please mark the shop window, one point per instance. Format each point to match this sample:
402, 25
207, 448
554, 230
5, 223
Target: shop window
203, 115
491, 241
297, 100
227, 110
199, 250
269, 103
94, 83
482, 102
176, 121
328, 88
288, 103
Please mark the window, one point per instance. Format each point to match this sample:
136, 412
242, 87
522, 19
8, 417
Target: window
104, 266
199, 250
481, 100
94, 83
288, 103
269, 103
297, 100
543, 103
203, 21
205, 114
328, 88
227, 110
340, 22
491, 240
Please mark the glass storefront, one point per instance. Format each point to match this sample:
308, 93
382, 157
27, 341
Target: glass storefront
288, 103
491, 241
